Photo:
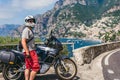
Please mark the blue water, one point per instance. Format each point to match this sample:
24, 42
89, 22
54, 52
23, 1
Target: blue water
78, 43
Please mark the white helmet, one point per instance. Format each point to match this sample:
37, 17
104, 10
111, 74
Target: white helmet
29, 17
27, 21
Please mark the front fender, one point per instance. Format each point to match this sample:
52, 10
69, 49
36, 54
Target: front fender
59, 60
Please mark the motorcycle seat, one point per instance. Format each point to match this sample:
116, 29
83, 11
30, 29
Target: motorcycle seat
17, 52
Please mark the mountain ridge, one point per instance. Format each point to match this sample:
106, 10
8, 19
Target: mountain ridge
6, 29
79, 18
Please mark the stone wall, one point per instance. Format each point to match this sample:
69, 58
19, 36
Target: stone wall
86, 54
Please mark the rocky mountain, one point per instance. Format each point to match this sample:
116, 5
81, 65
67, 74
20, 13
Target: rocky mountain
5, 30
89, 19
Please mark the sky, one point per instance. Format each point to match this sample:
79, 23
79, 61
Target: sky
14, 11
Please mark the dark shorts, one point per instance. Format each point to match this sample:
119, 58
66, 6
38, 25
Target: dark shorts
32, 62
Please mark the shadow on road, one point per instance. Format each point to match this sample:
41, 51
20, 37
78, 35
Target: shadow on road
52, 77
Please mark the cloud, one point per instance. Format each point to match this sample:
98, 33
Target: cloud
35, 4
32, 4
8, 12
13, 7
5, 15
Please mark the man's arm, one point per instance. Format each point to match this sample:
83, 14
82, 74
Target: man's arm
24, 44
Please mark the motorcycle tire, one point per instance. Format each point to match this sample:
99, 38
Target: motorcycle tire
64, 73
10, 72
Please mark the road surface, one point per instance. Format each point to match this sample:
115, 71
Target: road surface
104, 67
111, 66
50, 75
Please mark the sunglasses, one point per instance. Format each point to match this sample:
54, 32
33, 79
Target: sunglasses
31, 20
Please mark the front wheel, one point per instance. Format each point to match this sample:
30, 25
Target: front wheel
10, 72
67, 69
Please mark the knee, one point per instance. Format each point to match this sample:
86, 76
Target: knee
27, 72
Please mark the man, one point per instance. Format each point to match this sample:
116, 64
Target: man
31, 58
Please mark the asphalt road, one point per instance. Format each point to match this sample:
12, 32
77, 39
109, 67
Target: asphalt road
111, 66
46, 77
50, 75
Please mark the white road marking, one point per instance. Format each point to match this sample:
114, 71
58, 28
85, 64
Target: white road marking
110, 71
116, 79
107, 58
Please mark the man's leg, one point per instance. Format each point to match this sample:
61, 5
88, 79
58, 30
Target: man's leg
28, 67
27, 74
32, 75
35, 65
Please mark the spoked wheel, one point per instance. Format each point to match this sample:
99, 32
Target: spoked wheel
67, 69
10, 72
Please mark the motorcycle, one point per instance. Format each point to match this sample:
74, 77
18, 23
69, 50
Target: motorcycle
13, 65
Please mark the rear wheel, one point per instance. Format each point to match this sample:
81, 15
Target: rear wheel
10, 72
67, 69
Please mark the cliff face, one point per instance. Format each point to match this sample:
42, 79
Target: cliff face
94, 19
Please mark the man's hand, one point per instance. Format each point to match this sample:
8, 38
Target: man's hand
27, 55
27, 52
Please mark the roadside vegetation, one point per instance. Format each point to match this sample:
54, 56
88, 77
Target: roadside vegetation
11, 40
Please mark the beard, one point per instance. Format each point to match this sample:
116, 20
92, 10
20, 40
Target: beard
30, 24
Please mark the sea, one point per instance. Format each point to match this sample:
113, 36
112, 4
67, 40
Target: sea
73, 44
